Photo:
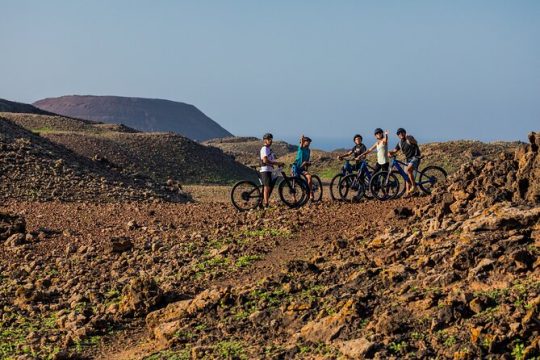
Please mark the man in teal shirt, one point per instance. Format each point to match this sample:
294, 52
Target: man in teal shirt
302, 162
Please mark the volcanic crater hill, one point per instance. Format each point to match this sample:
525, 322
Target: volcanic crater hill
151, 115
34, 168
161, 157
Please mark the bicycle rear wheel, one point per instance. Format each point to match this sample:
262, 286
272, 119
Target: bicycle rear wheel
430, 176
246, 195
334, 187
293, 191
350, 188
384, 185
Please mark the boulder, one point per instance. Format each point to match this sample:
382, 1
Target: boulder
140, 296
360, 348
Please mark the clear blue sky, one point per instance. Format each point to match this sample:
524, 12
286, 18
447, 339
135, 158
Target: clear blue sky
441, 69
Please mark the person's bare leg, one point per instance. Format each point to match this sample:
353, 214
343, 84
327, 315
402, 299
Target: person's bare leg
266, 195
310, 185
410, 173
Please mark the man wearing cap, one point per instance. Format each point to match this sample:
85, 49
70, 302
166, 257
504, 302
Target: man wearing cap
302, 162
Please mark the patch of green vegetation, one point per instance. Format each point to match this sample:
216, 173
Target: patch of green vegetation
312, 293
398, 347
518, 351
231, 350
328, 172
210, 265
317, 349
246, 260
91, 341
44, 130
184, 354
14, 330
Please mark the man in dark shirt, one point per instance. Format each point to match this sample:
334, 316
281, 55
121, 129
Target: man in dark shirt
408, 145
358, 149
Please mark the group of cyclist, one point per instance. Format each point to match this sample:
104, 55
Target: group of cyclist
407, 145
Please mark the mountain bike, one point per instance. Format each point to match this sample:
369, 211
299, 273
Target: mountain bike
346, 169
247, 195
316, 183
353, 186
387, 185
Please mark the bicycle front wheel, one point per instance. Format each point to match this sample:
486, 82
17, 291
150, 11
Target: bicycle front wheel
350, 188
334, 187
384, 185
430, 176
246, 195
293, 192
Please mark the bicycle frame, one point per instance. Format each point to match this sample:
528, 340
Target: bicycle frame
276, 180
399, 166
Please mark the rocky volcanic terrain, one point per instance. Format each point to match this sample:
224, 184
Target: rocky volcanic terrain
161, 157
34, 168
453, 275
139, 113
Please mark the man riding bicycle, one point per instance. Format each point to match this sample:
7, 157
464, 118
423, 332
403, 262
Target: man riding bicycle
268, 160
301, 163
409, 146
356, 151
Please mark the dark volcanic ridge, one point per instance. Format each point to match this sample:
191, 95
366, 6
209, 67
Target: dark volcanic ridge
139, 113
34, 168
16, 107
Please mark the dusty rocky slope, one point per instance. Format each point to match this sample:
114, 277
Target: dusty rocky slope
161, 157
455, 275
139, 113
34, 168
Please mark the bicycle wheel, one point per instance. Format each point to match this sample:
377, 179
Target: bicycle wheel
246, 195
367, 190
293, 192
430, 176
350, 188
316, 186
384, 185
334, 187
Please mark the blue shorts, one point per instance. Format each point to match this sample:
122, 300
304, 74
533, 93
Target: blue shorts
414, 161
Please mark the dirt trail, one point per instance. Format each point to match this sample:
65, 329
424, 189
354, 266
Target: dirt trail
320, 227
